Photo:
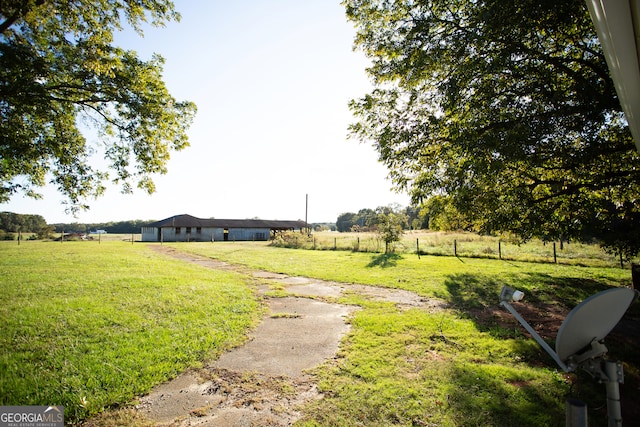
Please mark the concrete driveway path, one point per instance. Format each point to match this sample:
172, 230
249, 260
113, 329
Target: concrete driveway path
263, 382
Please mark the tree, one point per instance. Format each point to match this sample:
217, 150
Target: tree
444, 216
366, 219
345, 221
504, 108
45, 232
390, 229
10, 221
417, 218
59, 74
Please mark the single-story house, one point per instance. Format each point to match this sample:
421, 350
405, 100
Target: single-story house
187, 228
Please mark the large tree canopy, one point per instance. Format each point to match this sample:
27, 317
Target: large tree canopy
504, 108
60, 74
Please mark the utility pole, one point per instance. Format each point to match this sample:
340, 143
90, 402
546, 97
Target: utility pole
306, 213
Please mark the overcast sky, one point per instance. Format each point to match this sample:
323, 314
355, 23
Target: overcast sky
272, 80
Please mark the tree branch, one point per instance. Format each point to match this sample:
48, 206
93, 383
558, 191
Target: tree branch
9, 22
16, 15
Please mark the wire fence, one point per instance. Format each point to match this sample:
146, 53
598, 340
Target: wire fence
468, 245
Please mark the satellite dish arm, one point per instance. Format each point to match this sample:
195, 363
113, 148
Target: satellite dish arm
535, 335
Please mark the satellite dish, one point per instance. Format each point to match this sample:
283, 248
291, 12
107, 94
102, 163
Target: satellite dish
579, 344
592, 320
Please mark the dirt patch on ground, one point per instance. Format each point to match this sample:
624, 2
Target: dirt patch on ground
545, 320
263, 382
220, 397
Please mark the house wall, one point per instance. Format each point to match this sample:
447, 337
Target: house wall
187, 234
149, 234
204, 234
243, 234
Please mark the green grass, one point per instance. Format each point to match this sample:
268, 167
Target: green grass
450, 367
89, 325
468, 282
415, 368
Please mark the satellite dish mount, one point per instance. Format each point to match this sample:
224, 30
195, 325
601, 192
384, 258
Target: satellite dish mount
580, 344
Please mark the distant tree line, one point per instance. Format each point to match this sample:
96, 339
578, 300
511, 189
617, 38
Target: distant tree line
12, 223
118, 227
388, 222
23, 223
410, 218
436, 214
323, 226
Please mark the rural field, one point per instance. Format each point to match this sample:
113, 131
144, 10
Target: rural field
94, 325
466, 244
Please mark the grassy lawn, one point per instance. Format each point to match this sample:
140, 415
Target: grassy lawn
469, 282
88, 325
451, 367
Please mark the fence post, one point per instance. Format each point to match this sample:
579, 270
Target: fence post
455, 247
555, 258
418, 247
499, 249
335, 243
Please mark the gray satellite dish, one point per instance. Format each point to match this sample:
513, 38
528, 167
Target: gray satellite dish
579, 343
591, 320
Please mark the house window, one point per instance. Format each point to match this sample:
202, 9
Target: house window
188, 230
199, 230
177, 230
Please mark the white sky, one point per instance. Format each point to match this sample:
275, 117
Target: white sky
271, 80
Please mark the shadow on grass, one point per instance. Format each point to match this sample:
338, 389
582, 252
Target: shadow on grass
472, 291
384, 260
547, 301
506, 399
568, 291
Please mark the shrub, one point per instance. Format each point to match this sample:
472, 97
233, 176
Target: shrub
292, 239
